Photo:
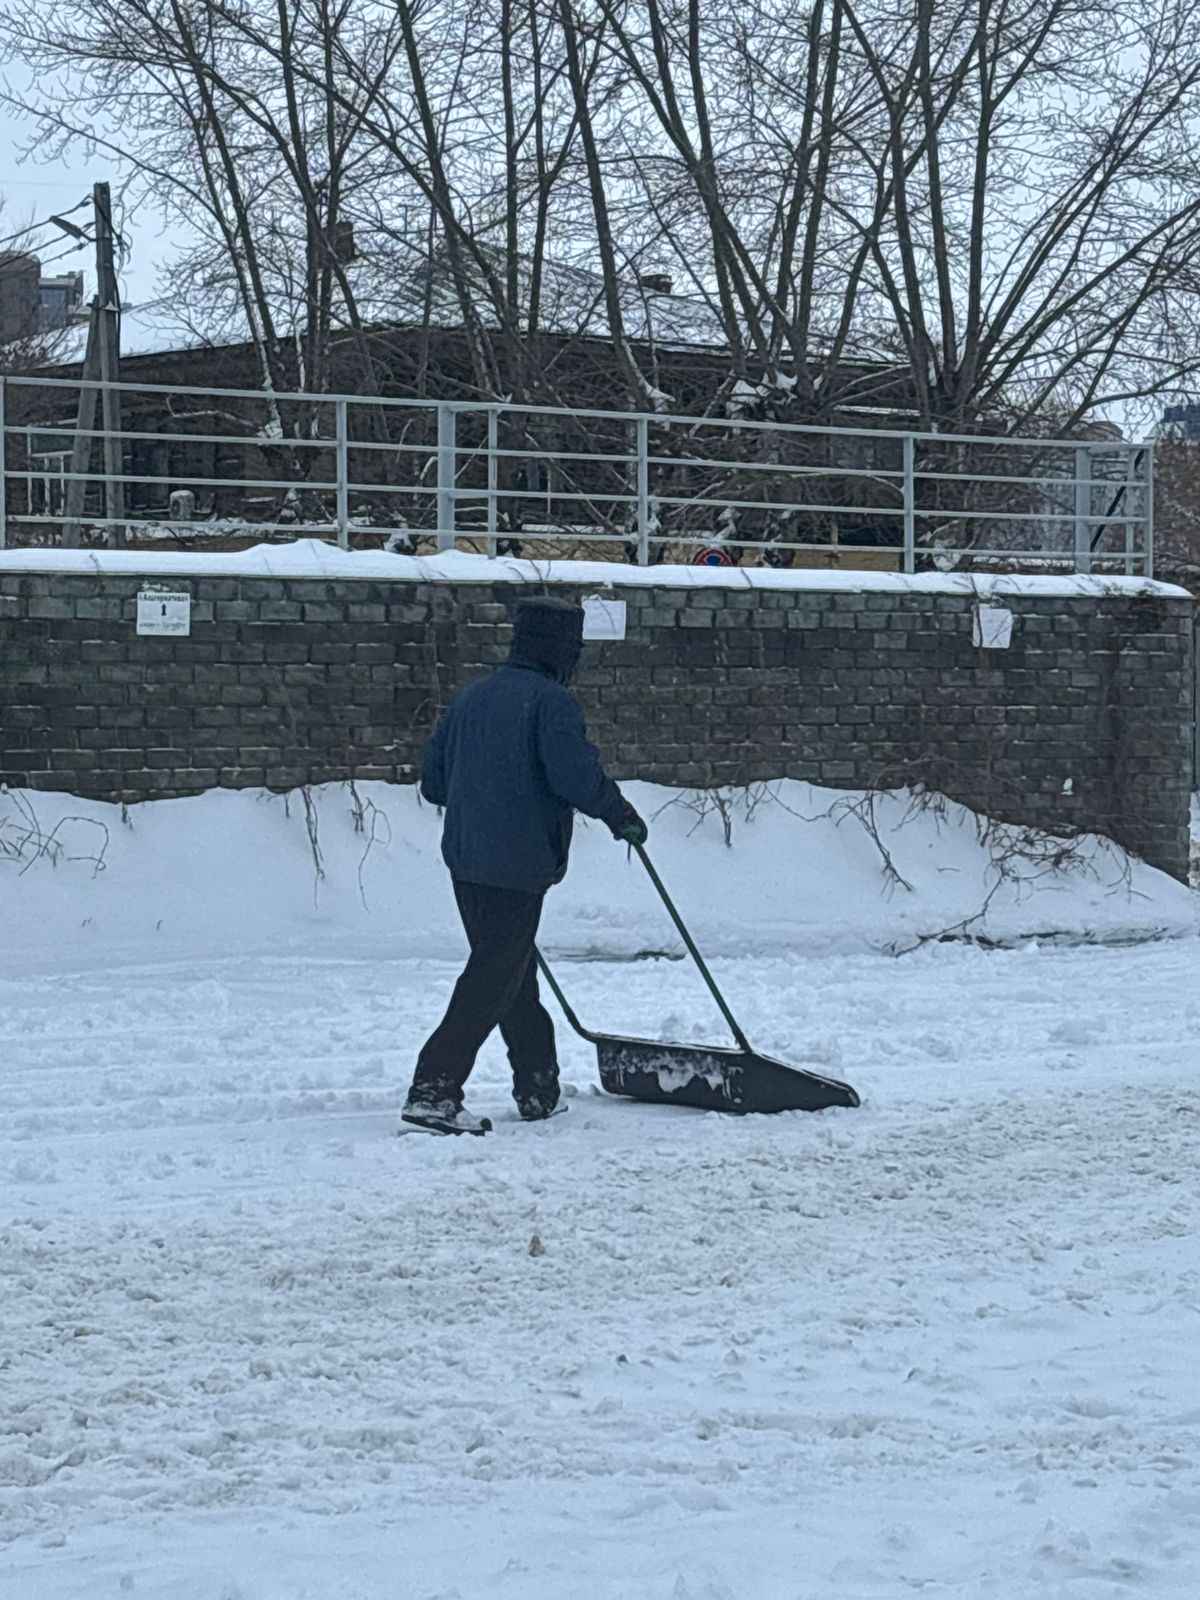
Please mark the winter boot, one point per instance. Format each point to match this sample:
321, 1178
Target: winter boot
442, 1116
537, 1107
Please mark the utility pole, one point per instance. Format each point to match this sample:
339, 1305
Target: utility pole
101, 370
109, 296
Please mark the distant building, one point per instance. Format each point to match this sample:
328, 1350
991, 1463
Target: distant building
61, 301
20, 283
1183, 422
561, 462
32, 304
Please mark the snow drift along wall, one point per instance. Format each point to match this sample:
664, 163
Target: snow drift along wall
308, 665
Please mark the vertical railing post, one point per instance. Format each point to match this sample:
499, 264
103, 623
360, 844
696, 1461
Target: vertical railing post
493, 434
642, 446
1149, 522
447, 476
910, 504
1130, 501
1083, 508
3, 472
343, 474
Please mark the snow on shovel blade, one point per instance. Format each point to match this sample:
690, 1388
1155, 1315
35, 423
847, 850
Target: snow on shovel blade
711, 1078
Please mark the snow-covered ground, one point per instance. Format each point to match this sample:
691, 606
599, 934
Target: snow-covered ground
253, 1346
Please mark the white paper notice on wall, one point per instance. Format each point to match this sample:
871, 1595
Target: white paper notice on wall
992, 628
603, 619
166, 612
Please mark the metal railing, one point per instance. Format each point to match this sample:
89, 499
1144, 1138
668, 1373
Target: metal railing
202, 464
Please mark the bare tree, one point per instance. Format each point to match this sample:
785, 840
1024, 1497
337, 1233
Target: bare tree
987, 213
1002, 198
1041, 222
238, 143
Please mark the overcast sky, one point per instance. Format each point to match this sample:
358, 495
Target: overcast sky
31, 189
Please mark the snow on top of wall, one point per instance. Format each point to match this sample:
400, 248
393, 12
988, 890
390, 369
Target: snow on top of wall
314, 558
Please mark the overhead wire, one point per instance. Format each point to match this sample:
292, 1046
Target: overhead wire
71, 250
23, 233
7, 268
46, 222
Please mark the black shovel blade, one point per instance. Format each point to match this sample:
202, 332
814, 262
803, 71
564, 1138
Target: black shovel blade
712, 1079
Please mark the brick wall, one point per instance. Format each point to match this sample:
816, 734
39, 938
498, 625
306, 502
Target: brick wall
1082, 723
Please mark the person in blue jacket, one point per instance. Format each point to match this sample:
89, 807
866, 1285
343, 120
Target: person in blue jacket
510, 763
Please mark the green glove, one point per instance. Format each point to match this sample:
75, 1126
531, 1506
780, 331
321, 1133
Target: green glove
631, 829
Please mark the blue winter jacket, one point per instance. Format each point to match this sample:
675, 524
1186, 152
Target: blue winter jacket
510, 761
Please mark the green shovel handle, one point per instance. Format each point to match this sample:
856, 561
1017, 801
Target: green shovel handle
743, 1042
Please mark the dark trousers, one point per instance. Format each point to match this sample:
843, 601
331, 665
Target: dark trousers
498, 988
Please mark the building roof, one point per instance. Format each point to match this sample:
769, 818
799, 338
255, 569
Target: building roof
394, 304
572, 303
145, 330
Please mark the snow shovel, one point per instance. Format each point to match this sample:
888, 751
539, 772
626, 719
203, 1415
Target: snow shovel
708, 1077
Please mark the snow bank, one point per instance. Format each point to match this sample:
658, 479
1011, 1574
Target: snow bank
313, 558
805, 869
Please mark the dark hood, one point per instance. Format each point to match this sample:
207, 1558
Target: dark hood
548, 635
